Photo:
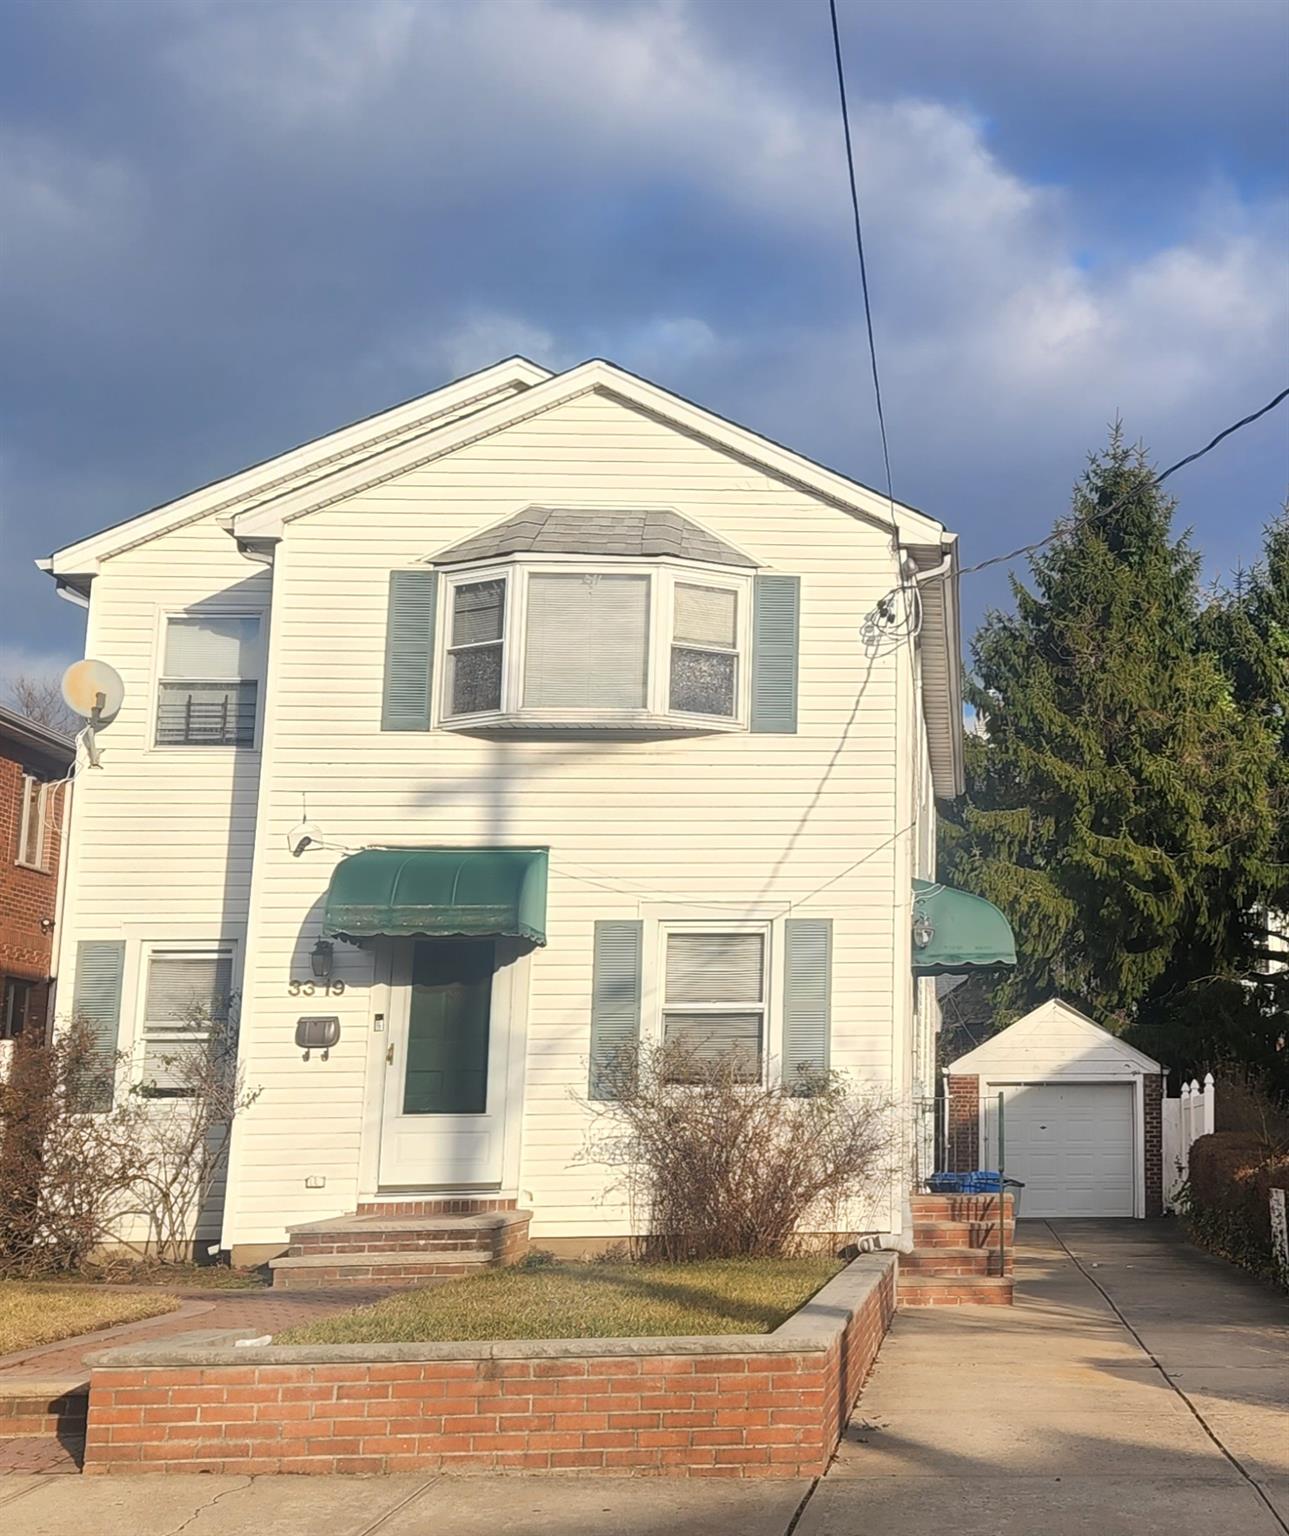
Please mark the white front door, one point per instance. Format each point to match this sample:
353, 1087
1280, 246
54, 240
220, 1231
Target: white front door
1073, 1146
443, 1125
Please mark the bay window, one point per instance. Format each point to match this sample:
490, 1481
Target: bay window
595, 644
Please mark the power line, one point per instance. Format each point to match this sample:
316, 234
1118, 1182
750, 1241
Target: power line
1062, 530
859, 242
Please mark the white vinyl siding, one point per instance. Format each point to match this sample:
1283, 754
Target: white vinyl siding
714, 999
186, 990
208, 687
33, 823
586, 641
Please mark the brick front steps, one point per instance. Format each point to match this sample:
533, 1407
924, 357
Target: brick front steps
398, 1246
761, 1405
56, 1409
955, 1258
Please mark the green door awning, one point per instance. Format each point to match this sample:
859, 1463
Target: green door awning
438, 893
955, 932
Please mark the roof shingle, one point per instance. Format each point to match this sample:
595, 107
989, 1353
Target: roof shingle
636, 533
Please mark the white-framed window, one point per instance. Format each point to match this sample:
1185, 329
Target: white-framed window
187, 989
208, 691
585, 642
476, 646
33, 828
713, 995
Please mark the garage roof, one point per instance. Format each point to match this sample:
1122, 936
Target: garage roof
1054, 1040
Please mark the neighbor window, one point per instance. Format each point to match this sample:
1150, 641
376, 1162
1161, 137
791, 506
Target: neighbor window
187, 992
32, 829
714, 1000
593, 646
209, 681
16, 1007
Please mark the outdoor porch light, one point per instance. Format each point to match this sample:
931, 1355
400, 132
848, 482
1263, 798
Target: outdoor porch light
320, 959
923, 929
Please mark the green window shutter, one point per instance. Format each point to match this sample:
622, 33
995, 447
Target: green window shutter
96, 1003
776, 620
807, 996
615, 1001
409, 650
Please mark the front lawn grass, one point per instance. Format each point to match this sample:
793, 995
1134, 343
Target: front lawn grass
584, 1301
35, 1312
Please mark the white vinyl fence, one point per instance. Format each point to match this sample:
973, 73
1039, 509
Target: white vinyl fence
1186, 1119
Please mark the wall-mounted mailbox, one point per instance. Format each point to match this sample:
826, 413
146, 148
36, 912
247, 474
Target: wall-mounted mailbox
318, 1033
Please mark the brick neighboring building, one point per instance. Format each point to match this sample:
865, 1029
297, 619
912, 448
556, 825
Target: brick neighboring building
33, 808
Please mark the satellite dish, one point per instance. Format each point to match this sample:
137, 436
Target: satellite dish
93, 689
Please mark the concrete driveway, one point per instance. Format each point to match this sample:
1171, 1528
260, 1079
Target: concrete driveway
1137, 1388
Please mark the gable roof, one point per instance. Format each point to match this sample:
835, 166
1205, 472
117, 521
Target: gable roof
267, 519
651, 531
412, 420
1039, 1022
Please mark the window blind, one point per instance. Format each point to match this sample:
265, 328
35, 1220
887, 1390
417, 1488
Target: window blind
714, 968
212, 647
184, 992
586, 641
706, 615
478, 612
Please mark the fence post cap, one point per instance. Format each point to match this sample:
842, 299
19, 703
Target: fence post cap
1208, 1080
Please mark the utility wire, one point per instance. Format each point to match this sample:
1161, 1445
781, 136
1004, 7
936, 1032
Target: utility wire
859, 242
1062, 530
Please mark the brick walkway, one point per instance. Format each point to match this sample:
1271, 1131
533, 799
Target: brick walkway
202, 1311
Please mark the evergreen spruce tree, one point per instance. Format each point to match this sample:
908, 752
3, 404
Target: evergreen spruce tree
1118, 806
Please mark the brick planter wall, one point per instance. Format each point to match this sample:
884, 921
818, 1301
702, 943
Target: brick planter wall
1153, 1131
964, 1123
771, 1405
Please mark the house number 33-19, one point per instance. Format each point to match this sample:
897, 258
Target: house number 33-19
309, 988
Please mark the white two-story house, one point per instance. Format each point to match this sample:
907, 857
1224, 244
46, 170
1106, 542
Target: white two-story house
537, 716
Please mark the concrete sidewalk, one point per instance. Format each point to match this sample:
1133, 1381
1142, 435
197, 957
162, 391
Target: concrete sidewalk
1055, 1417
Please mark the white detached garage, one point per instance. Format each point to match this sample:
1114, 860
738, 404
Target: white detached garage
1081, 1115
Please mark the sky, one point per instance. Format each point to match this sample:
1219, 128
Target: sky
228, 226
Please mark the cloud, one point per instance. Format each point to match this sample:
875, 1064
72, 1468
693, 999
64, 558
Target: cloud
241, 225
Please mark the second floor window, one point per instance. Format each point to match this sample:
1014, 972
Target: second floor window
595, 645
209, 681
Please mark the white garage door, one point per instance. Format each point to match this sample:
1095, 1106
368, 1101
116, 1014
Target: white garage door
1071, 1144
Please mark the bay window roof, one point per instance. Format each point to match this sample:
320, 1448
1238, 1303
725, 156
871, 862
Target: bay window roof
646, 533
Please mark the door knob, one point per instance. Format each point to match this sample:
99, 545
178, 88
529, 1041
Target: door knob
389, 1054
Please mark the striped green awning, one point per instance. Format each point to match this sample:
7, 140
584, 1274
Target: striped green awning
955, 932
438, 893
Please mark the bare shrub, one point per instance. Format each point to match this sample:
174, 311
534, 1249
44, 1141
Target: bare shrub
717, 1167
1248, 1104
193, 1093
64, 1173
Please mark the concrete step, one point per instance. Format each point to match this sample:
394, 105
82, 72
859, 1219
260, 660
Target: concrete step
318, 1271
953, 1291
